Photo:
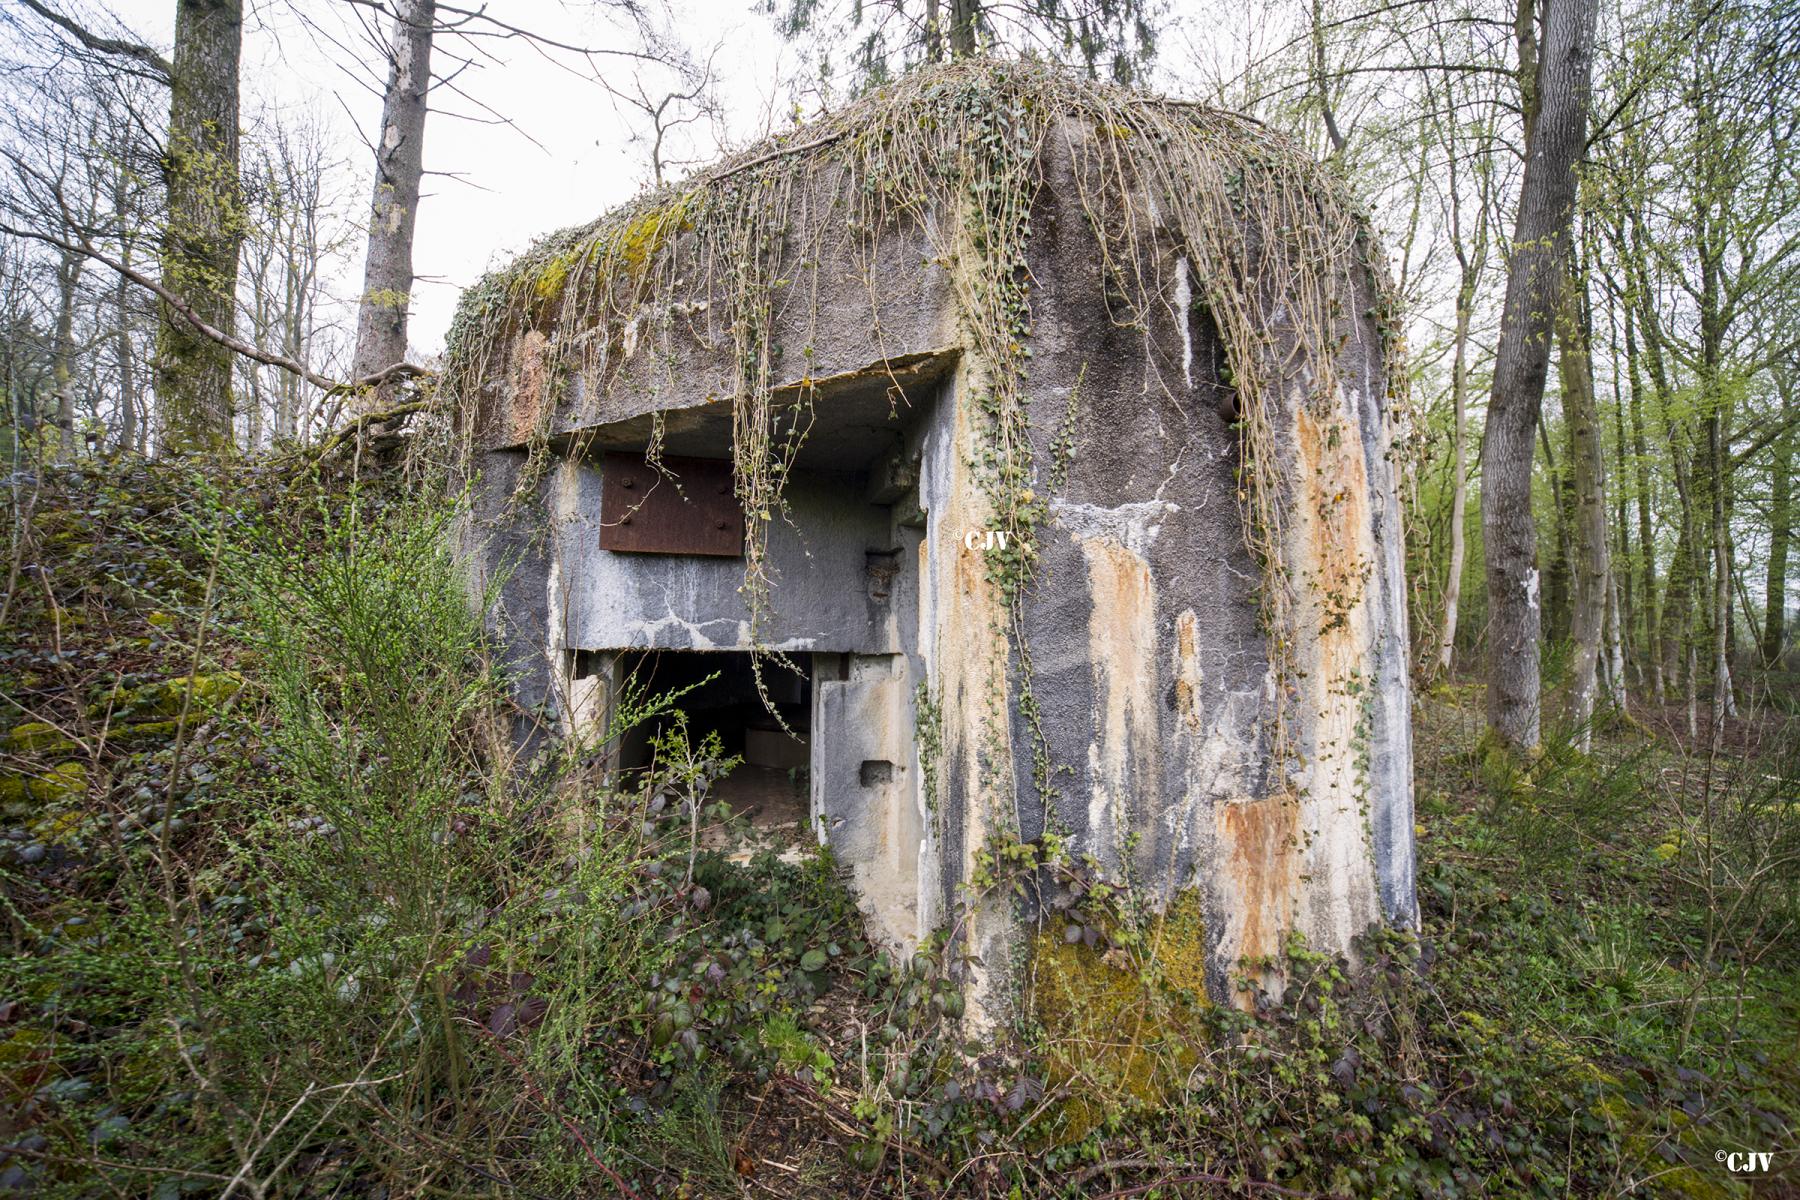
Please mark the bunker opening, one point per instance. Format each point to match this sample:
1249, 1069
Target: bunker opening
769, 789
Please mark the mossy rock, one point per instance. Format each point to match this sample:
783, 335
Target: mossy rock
145, 731
59, 828
39, 737
1120, 1028
27, 1059
167, 697
59, 782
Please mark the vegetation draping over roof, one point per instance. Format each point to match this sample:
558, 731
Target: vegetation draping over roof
1277, 246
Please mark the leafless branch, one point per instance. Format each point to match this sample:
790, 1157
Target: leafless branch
158, 65
400, 370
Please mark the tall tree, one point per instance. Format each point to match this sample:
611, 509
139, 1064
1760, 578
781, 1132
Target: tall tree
1469, 242
204, 225
399, 170
1592, 567
298, 240
1556, 89
1781, 518
1114, 38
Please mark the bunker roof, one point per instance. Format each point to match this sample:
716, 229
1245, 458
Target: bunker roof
736, 283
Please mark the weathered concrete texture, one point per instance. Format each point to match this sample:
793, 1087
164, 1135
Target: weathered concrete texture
1151, 672
673, 351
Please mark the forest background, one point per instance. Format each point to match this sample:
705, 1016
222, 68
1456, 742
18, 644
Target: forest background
231, 240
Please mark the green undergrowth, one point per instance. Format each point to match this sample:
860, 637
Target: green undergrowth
289, 914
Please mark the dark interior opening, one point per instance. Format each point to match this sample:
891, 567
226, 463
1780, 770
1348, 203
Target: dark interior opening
770, 788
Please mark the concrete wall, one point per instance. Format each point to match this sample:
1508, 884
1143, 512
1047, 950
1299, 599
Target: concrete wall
689, 602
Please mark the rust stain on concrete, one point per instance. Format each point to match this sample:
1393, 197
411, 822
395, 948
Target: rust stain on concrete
1188, 675
526, 389
1122, 652
1259, 842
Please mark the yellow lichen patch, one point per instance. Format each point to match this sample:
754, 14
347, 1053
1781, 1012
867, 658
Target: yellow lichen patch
619, 248
642, 236
548, 284
1120, 1027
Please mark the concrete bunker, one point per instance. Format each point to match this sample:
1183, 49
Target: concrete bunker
1057, 464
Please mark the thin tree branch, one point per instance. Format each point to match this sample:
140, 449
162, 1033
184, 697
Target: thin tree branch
399, 370
104, 45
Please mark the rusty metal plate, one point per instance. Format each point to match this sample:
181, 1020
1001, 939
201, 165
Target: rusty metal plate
686, 507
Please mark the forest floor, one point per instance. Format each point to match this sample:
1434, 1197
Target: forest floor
284, 919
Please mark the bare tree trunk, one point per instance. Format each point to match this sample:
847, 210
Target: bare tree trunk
295, 299
1621, 585
1678, 604
1640, 451
1686, 569
1774, 633
1321, 88
1691, 686
62, 352
1591, 560
1616, 693
1710, 248
1724, 705
200, 245
965, 20
122, 348
260, 324
1471, 250
1459, 486
1539, 244
1556, 607
399, 169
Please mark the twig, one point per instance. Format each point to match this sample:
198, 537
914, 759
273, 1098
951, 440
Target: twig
618, 1181
1205, 1177
374, 418
247, 1170
158, 65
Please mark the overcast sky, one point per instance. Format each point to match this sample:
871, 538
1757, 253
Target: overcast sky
568, 154
568, 158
